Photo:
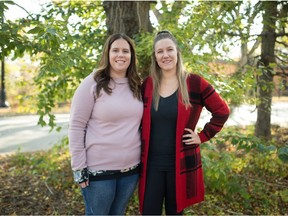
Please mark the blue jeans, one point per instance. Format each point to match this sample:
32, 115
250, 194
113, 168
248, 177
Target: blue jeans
109, 197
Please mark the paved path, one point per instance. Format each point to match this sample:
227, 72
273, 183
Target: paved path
247, 115
23, 134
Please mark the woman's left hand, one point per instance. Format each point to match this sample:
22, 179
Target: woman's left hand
190, 137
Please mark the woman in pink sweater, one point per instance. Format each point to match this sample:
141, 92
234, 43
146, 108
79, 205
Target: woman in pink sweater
104, 136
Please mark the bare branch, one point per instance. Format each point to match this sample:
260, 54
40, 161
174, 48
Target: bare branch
157, 14
281, 34
283, 74
261, 181
282, 42
23, 9
255, 13
49, 189
232, 34
255, 46
256, 35
281, 60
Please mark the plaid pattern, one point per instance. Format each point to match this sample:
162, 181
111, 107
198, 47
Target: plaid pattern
189, 174
189, 166
191, 161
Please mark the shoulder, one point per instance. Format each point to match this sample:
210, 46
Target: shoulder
88, 84
89, 80
146, 85
193, 77
197, 82
196, 77
147, 81
194, 81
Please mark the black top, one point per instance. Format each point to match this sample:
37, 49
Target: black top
163, 133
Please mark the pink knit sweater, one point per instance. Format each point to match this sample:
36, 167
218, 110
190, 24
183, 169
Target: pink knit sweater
104, 131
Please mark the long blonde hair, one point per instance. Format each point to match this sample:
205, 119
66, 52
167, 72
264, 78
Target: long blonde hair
156, 72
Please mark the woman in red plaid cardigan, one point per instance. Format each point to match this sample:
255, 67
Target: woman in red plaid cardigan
173, 101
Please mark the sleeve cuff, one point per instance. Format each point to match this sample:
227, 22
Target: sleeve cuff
81, 175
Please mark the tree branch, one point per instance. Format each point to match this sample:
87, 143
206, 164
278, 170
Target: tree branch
282, 42
260, 181
48, 187
255, 46
157, 14
281, 60
281, 34
23, 9
283, 74
256, 35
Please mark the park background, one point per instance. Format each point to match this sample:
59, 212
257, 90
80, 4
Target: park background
241, 47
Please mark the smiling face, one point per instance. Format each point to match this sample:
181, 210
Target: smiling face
119, 58
166, 55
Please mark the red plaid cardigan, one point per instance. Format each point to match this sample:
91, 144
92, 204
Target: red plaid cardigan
189, 176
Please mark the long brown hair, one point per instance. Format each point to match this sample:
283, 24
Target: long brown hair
102, 73
156, 72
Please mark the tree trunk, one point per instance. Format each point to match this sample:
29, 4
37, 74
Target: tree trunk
2, 86
244, 57
265, 80
129, 17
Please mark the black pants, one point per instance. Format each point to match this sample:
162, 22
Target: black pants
160, 186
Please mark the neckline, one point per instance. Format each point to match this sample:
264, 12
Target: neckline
170, 94
121, 80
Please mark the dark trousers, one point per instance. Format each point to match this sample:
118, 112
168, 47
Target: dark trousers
160, 187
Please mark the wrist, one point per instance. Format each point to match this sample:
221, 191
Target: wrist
81, 175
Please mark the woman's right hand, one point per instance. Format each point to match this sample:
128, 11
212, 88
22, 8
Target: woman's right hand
190, 137
84, 184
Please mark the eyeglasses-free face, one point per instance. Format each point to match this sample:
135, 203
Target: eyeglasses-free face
166, 55
119, 58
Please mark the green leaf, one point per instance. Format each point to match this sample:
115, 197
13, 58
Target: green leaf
35, 30
52, 31
283, 154
284, 195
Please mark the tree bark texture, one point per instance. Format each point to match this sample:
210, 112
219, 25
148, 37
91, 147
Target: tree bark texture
129, 17
265, 80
